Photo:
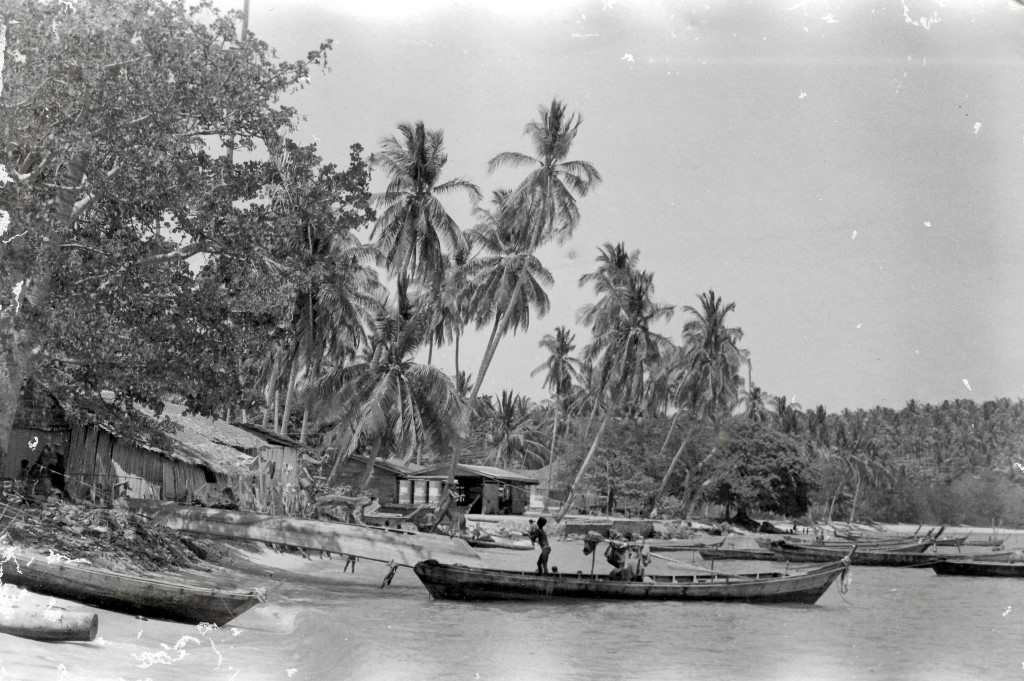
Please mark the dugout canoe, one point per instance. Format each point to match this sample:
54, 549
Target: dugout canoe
459, 582
1010, 564
48, 623
493, 542
372, 543
157, 598
804, 553
843, 546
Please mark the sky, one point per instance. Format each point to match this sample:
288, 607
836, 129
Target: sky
850, 174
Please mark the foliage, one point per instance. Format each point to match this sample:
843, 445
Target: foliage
760, 468
119, 195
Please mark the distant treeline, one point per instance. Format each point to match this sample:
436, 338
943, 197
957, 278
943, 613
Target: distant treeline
952, 463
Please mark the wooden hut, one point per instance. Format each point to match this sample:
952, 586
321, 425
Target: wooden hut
486, 489
385, 484
193, 459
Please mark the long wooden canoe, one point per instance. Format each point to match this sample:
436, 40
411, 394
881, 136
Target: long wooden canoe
978, 568
373, 543
844, 546
496, 542
48, 624
804, 553
459, 582
736, 553
153, 597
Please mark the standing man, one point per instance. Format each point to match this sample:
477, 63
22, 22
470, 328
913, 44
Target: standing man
539, 536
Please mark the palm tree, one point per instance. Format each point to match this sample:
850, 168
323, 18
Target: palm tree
388, 400
713, 357
562, 373
787, 414
711, 361
414, 231
508, 281
610, 279
544, 203
623, 356
512, 436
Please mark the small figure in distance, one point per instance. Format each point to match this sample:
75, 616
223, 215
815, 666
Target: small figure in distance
539, 537
350, 560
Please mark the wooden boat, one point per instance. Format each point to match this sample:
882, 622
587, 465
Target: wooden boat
669, 545
1010, 564
993, 541
951, 541
130, 594
804, 553
48, 623
841, 546
736, 553
497, 542
459, 582
372, 543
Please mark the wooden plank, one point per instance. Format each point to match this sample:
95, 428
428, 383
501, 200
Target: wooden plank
371, 543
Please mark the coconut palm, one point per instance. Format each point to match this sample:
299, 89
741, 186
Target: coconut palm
508, 282
413, 230
544, 203
623, 356
563, 371
787, 414
610, 281
388, 400
713, 357
513, 436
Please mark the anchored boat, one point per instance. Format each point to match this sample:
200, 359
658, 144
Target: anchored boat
459, 582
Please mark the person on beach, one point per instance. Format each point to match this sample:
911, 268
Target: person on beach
539, 537
349, 560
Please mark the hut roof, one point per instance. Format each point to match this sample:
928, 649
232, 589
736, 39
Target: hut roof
473, 471
268, 435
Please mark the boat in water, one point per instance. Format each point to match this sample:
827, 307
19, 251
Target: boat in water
158, 598
807, 553
994, 565
459, 582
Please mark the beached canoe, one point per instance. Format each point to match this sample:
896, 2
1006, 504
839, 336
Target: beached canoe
458, 582
805, 553
48, 624
191, 603
667, 545
372, 543
843, 546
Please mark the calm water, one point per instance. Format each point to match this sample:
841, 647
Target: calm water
893, 624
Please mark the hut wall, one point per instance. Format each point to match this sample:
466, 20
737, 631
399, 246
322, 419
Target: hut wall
383, 484
19, 447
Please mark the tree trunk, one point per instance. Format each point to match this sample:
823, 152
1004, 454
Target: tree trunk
671, 467
430, 352
671, 429
370, 459
288, 397
492, 344
856, 493
583, 467
305, 426
277, 411
551, 454
458, 338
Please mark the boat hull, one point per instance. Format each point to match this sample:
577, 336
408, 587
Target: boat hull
457, 582
979, 568
48, 624
129, 594
724, 553
811, 554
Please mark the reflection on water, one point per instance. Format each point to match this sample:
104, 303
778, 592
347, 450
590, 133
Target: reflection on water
894, 624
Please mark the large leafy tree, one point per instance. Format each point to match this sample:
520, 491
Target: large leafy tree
115, 191
544, 203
